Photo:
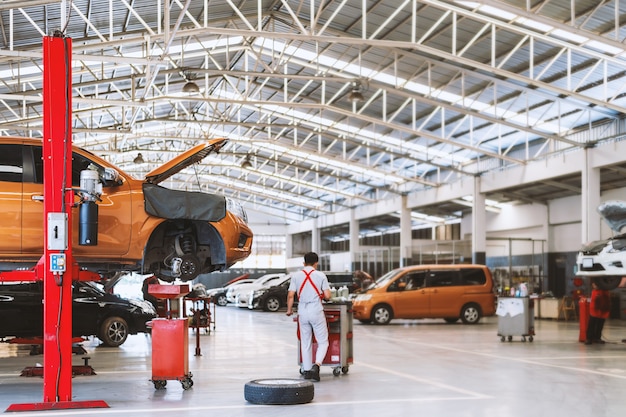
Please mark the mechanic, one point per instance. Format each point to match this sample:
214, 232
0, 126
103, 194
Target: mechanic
312, 288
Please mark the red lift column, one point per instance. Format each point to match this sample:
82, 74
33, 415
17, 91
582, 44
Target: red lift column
57, 154
58, 264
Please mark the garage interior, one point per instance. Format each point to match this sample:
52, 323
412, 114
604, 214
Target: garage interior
347, 106
408, 367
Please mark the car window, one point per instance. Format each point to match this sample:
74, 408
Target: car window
442, 278
11, 166
79, 163
269, 280
473, 276
410, 281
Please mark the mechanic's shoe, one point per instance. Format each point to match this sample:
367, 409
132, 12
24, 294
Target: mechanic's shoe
307, 374
600, 341
588, 342
315, 372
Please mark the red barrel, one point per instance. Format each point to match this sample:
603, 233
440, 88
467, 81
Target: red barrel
583, 313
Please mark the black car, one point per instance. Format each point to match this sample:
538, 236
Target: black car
94, 312
270, 298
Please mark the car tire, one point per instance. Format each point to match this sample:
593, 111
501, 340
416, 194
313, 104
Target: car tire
470, 314
607, 283
382, 314
221, 300
272, 304
113, 331
279, 391
190, 267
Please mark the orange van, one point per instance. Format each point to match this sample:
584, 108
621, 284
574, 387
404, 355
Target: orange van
428, 291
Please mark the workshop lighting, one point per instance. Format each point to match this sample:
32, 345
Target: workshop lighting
139, 159
191, 87
246, 164
356, 95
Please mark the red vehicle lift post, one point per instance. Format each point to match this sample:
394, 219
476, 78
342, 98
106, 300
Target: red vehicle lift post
58, 200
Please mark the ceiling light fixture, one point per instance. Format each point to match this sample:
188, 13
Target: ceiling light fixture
139, 159
356, 94
246, 164
190, 86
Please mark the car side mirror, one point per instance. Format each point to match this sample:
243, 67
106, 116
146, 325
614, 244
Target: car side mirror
110, 176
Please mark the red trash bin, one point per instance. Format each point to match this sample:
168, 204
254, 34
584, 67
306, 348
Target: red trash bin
583, 313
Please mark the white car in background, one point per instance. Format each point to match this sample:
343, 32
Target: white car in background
218, 295
235, 294
604, 261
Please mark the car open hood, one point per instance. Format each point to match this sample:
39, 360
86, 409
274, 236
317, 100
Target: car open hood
614, 214
193, 155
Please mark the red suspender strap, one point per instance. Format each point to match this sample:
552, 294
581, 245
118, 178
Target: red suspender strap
310, 281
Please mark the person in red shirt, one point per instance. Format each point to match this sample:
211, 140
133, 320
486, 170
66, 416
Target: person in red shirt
599, 310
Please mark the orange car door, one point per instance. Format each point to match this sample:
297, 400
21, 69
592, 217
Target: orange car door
114, 214
411, 301
11, 174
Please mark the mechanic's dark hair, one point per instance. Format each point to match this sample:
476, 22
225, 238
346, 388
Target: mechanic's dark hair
310, 258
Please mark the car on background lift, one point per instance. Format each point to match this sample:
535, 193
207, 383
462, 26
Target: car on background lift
94, 312
142, 227
604, 261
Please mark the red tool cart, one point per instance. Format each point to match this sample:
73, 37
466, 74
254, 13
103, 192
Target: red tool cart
201, 317
170, 340
340, 348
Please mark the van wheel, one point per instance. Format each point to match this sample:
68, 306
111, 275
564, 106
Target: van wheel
470, 314
381, 314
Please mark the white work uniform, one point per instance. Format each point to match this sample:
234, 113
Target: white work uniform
311, 316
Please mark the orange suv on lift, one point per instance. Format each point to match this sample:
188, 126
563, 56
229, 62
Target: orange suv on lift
142, 226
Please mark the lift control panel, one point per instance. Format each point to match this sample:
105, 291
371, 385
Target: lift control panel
57, 262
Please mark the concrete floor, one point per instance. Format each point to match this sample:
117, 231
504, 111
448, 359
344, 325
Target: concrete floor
422, 367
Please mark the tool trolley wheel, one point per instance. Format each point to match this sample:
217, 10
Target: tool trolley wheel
336, 371
278, 391
159, 383
502, 338
345, 369
187, 383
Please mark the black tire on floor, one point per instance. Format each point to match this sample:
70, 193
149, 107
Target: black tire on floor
278, 391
